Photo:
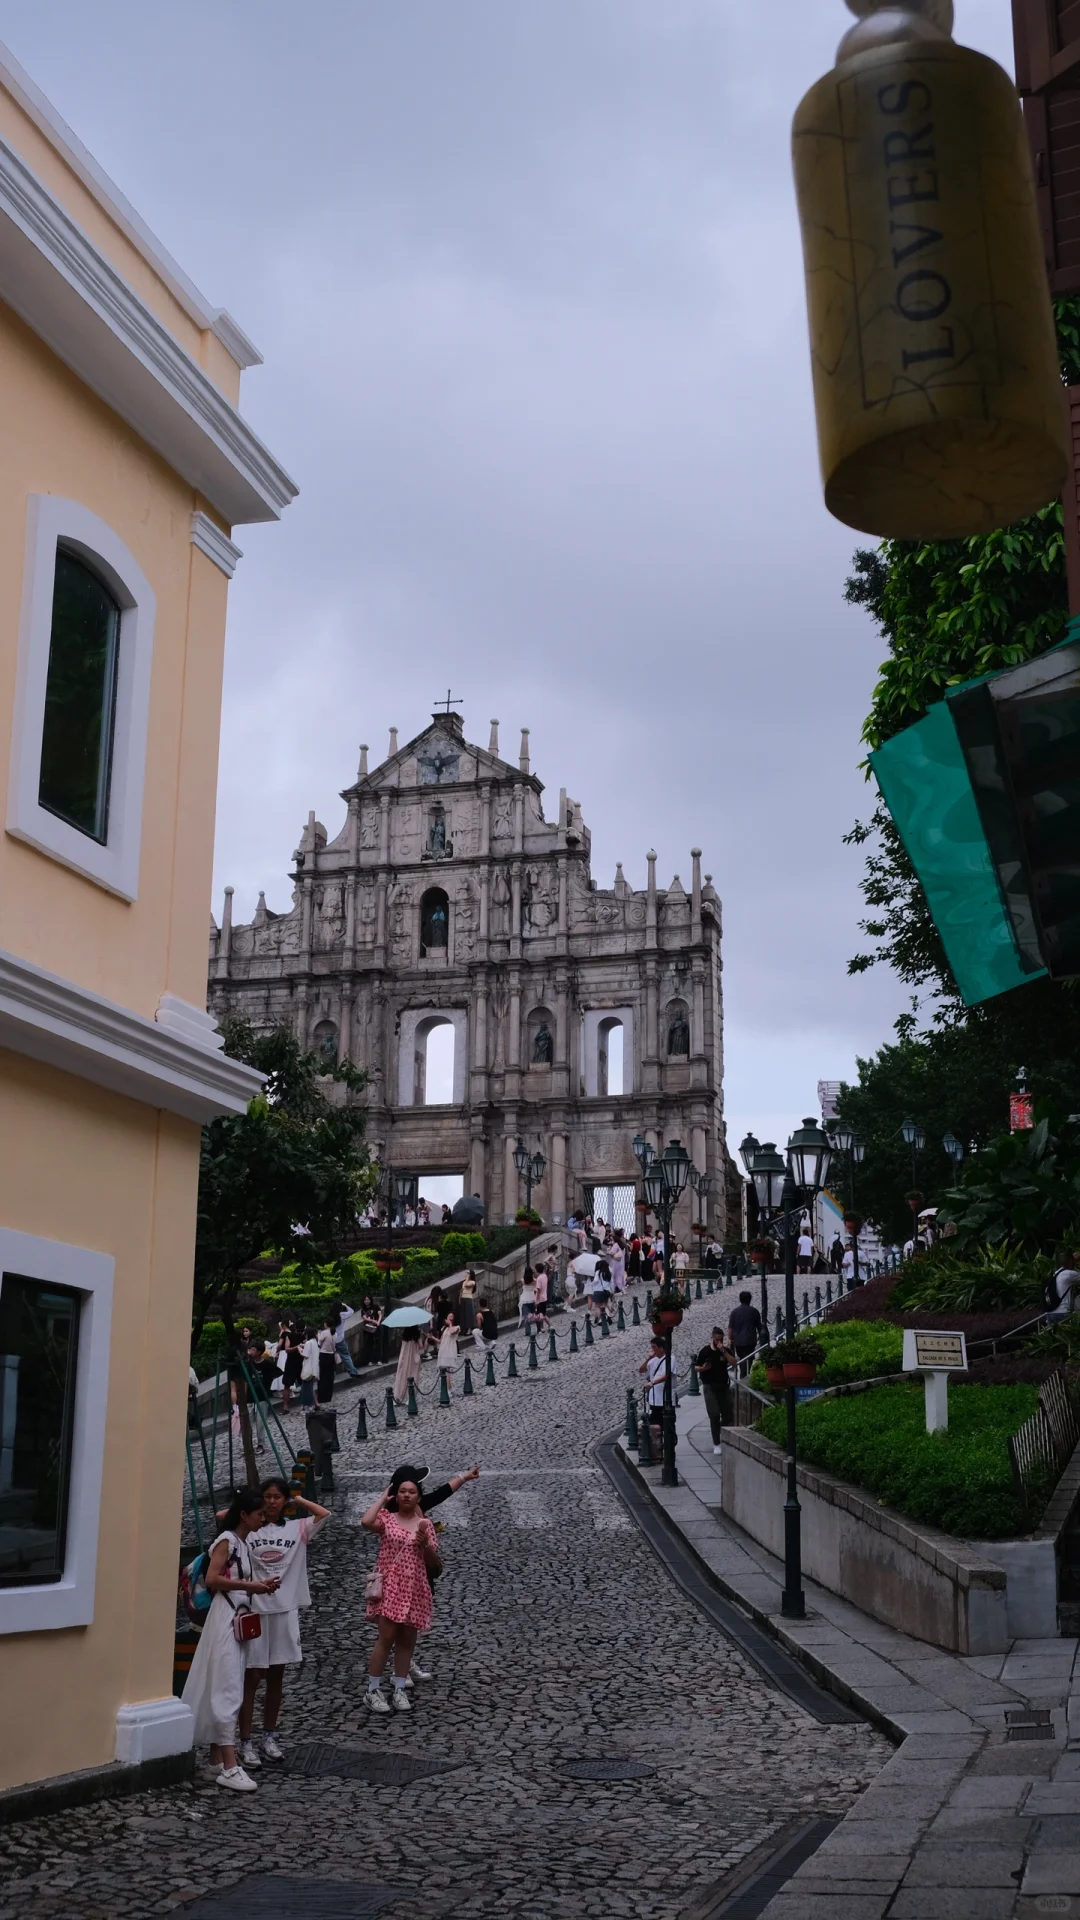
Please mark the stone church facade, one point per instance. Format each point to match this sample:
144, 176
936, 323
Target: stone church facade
447, 898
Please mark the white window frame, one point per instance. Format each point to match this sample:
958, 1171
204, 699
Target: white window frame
51, 523
69, 1601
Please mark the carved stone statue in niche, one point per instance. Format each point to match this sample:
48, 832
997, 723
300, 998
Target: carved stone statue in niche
543, 1046
437, 836
678, 1040
500, 905
537, 912
502, 819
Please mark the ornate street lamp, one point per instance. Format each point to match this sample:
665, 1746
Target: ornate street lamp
530, 1169
665, 1179
808, 1165
767, 1170
915, 1137
847, 1142
953, 1148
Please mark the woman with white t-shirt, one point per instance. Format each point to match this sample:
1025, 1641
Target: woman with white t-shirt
214, 1688
278, 1551
805, 1251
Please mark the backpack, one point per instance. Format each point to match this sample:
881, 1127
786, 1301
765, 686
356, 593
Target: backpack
194, 1596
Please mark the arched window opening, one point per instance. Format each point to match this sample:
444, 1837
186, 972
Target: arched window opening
678, 1031
434, 922
325, 1042
434, 1064
609, 1061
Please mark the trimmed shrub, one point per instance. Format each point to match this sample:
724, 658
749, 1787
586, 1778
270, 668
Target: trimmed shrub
986, 1280
211, 1348
462, 1249
960, 1481
854, 1350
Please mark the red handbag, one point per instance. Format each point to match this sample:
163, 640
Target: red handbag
246, 1626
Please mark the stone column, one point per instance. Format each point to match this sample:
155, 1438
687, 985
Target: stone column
650, 1076
562, 928
519, 817
561, 1080
698, 1063
513, 1038
485, 910
510, 1176
557, 1157
485, 819
380, 921
478, 1090
384, 828
345, 1026
515, 910
477, 1178
225, 938
695, 897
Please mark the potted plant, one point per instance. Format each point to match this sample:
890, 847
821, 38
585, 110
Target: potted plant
528, 1217
761, 1251
667, 1309
388, 1260
799, 1360
774, 1372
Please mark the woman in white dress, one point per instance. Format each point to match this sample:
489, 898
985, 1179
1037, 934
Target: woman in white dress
448, 1339
214, 1689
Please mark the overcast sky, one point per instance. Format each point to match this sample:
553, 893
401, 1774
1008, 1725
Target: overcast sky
527, 280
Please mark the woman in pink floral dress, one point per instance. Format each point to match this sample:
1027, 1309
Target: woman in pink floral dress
399, 1593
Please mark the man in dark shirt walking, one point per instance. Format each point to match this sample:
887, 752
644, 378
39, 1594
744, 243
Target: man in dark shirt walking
744, 1327
711, 1367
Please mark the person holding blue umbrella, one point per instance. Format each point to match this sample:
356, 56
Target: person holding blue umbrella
409, 1320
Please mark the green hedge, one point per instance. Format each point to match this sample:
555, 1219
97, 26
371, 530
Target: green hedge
959, 1481
461, 1249
854, 1350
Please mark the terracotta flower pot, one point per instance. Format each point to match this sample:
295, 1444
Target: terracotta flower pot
799, 1373
774, 1376
666, 1317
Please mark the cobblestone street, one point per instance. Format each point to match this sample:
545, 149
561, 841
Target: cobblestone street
558, 1636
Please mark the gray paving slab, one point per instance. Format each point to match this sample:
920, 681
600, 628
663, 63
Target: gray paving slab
953, 1903
972, 1863
1053, 1796
1057, 1870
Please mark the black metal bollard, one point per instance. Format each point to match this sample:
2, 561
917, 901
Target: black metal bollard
553, 1351
589, 1341
467, 1390
532, 1362
635, 1312
573, 1336
412, 1408
631, 1419
444, 1387
489, 1376
361, 1419
512, 1369
620, 1319
391, 1416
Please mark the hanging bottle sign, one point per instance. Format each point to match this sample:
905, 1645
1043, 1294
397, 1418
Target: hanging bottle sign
937, 389
1021, 1112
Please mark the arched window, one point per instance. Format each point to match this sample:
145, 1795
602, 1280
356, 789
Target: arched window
434, 922
609, 1057
678, 1031
433, 1064
325, 1042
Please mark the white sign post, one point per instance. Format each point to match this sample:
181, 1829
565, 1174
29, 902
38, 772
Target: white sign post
935, 1356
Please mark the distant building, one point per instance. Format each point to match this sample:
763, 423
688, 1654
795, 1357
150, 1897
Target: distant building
580, 1015
125, 468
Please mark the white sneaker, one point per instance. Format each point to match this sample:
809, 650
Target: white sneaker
402, 1703
213, 1768
237, 1779
271, 1750
718, 1448
417, 1672
377, 1701
408, 1683
249, 1754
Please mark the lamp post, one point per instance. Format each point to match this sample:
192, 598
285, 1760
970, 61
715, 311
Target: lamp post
644, 1154
769, 1173
665, 1180
854, 1149
954, 1150
531, 1169
808, 1165
401, 1189
916, 1140
701, 1184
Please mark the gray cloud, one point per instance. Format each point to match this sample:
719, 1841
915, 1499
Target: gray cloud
526, 274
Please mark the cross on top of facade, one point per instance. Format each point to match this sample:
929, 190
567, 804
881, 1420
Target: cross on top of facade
444, 706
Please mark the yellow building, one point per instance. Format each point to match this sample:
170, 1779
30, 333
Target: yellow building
124, 467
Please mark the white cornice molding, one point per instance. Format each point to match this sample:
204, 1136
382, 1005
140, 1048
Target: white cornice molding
173, 1063
79, 305
208, 537
43, 115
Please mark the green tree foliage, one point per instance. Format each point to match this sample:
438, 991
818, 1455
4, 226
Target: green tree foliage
950, 610
1024, 1188
294, 1159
